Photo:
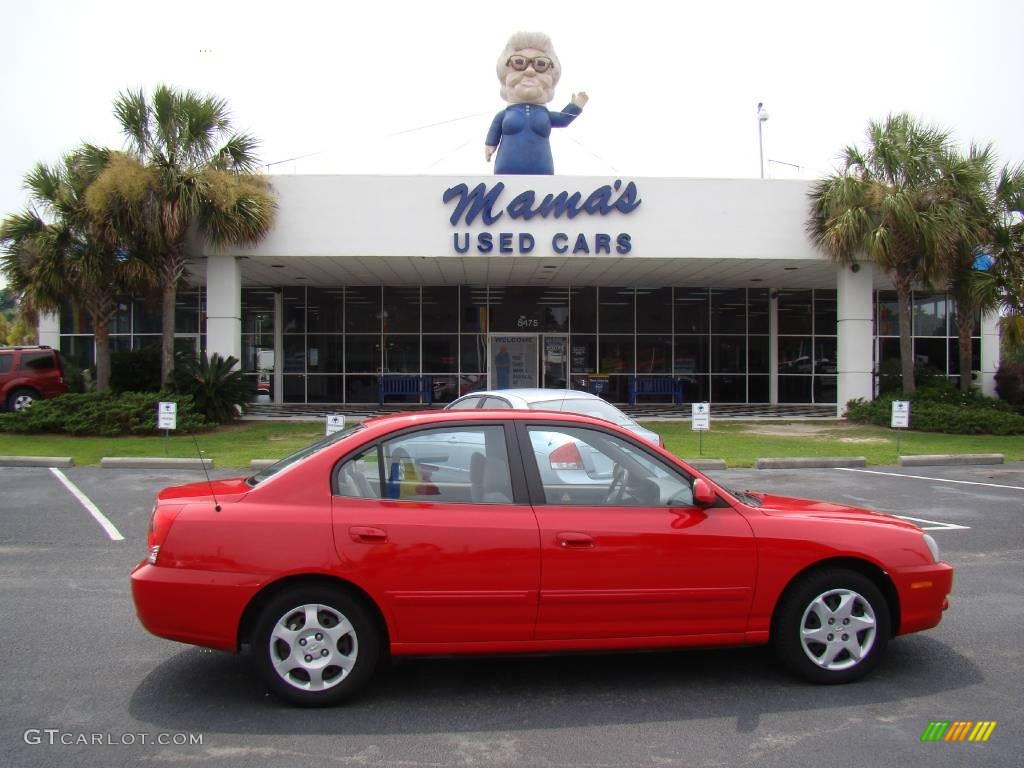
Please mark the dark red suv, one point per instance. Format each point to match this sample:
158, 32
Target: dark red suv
28, 374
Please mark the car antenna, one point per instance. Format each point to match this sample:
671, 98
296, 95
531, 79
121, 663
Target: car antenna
202, 463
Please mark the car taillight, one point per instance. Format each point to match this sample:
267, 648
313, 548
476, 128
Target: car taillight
159, 524
566, 457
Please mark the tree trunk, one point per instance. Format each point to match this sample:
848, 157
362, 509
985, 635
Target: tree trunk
964, 331
101, 307
101, 328
906, 337
169, 296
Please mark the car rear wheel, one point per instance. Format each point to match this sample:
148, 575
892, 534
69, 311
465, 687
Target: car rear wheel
315, 646
21, 398
832, 626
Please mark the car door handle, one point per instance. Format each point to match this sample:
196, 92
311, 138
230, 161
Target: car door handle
572, 540
362, 534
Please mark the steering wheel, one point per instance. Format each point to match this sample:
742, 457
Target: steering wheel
617, 489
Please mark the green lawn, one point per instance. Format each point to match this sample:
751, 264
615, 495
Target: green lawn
230, 446
739, 443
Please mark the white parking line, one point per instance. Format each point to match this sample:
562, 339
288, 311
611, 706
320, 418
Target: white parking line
933, 479
92, 509
935, 525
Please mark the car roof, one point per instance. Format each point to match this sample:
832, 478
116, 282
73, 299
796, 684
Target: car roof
421, 418
536, 394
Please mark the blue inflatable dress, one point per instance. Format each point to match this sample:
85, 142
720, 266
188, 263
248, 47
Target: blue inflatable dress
520, 132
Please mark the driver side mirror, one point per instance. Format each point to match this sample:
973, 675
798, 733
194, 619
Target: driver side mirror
703, 495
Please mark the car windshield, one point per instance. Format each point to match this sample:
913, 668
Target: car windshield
302, 453
596, 408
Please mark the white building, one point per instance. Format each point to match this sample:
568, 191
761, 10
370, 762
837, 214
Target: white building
710, 281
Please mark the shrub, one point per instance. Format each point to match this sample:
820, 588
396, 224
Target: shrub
101, 413
1010, 383
74, 377
137, 371
220, 391
941, 407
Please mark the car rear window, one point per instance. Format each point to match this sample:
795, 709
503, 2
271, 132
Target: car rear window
584, 406
37, 361
302, 454
6, 361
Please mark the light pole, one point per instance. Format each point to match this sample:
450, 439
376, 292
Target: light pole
762, 116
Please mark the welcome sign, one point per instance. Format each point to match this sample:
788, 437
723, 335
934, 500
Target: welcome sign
485, 203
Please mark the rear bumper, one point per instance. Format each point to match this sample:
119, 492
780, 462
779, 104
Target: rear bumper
924, 595
197, 607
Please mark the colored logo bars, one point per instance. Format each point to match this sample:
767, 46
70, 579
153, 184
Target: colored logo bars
958, 730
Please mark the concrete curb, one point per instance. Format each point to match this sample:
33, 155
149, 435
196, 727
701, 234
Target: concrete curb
62, 462
262, 463
950, 459
703, 464
812, 462
137, 462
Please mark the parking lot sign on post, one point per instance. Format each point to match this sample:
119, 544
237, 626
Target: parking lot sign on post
900, 418
167, 416
166, 419
701, 422
335, 423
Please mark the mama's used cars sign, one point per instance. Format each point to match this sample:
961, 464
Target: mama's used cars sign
486, 203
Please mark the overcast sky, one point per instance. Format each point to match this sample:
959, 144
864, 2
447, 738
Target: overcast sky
673, 85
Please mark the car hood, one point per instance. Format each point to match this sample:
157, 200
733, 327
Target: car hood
794, 507
225, 490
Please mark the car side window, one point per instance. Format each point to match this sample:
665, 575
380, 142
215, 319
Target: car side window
585, 467
6, 361
461, 464
359, 477
37, 361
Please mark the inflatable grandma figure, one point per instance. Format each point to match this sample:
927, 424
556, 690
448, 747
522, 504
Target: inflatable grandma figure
528, 70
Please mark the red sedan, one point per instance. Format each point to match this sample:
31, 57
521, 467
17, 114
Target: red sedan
515, 531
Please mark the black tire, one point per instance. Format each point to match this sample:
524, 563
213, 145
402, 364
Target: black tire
339, 663
803, 623
21, 398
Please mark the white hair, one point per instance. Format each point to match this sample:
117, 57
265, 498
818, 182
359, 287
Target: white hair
523, 40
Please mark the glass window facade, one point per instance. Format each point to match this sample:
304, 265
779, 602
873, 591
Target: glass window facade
807, 346
337, 341
136, 325
715, 340
933, 324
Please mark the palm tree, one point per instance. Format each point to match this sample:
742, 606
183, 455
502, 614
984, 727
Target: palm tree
986, 271
893, 206
52, 252
185, 173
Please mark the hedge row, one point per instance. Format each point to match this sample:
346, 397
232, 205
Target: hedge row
104, 414
932, 415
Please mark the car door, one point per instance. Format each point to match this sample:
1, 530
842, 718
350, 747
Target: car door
6, 374
437, 524
626, 553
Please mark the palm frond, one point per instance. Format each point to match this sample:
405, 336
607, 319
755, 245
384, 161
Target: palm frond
132, 112
239, 153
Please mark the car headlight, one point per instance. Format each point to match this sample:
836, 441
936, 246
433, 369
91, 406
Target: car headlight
932, 547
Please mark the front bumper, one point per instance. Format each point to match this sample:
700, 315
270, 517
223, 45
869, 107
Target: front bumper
924, 595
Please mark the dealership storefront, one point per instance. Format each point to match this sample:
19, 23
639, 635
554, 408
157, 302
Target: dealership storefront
544, 281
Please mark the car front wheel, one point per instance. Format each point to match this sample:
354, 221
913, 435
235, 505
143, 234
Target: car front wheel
20, 399
832, 626
315, 646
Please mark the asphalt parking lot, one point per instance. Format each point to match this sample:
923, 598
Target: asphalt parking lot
78, 666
